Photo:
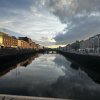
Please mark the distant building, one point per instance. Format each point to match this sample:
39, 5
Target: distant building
14, 41
28, 40
61, 48
82, 44
92, 42
7, 41
68, 47
23, 44
37, 46
33, 45
96, 41
4, 40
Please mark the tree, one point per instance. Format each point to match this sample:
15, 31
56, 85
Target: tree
75, 45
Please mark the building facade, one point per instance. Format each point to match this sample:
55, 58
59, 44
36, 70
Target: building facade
92, 42
7, 41
12, 42
68, 47
23, 44
28, 40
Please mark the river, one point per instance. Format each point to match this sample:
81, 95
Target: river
49, 75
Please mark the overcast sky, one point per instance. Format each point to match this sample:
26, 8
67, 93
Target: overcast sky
51, 21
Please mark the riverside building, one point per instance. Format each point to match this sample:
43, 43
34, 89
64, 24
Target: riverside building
7, 41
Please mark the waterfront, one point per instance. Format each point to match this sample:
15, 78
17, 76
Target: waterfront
49, 75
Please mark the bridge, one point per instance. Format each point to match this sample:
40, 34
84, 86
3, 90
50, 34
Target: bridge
49, 51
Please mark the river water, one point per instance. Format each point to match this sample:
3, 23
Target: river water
50, 75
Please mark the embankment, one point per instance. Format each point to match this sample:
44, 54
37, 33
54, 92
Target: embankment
90, 61
7, 55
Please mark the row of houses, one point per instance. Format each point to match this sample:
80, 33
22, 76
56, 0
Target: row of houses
7, 41
91, 44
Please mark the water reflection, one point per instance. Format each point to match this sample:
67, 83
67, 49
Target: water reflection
28, 61
5, 68
50, 75
93, 74
76, 83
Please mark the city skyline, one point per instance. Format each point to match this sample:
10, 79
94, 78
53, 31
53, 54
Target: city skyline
51, 22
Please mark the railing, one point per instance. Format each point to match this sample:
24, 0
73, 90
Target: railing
13, 97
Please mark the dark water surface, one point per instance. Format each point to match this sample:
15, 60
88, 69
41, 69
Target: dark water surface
50, 75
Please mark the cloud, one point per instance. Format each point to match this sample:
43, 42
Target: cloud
67, 9
17, 4
61, 8
80, 28
63, 20
82, 18
9, 32
29, 18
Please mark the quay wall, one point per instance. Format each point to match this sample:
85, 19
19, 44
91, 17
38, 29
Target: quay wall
90, 61
7, 55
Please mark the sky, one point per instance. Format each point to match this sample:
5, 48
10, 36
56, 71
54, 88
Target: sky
51, 22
